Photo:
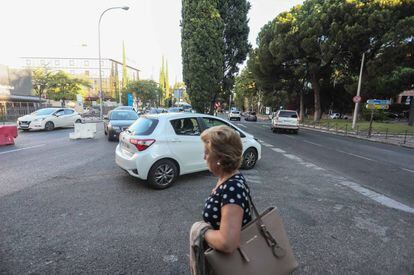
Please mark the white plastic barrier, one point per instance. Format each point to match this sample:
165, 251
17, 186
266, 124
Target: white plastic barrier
83, 130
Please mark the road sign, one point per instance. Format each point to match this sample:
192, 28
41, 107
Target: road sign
377, 107
379, 102
356, 99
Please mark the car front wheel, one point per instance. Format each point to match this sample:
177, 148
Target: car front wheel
249, 159
49, 126
162, 174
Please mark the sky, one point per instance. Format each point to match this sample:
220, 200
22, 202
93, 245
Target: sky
150, 29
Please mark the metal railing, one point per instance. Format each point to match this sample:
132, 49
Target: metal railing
404, 137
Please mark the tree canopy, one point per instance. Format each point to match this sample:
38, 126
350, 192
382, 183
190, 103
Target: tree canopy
214, 42
147, 91
320, 44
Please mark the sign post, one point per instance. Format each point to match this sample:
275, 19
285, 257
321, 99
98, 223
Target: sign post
358, 92
376, 104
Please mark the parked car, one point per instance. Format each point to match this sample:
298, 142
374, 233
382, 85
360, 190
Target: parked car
338, 116
159, 148
285, 120
156, 111
127, 108
49, 119
250, 116
175, 110
235, 115
117, 121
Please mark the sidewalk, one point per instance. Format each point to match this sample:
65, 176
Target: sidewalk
395, 139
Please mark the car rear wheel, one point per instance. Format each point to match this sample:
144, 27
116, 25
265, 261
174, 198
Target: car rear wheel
110, 138
78, 121
249, 159
49, 126
162, 174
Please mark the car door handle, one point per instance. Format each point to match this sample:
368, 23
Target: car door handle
175, 140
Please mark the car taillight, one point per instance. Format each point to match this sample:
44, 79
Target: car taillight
141, 144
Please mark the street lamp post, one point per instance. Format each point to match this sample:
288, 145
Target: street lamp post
101, 97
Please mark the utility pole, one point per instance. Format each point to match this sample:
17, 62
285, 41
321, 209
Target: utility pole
358, 92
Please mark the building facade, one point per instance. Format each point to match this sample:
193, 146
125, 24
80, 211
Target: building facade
16, 98
112, 76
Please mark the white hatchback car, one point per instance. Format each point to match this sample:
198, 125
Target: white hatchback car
234, 114
49, 119
160, 147
285, 120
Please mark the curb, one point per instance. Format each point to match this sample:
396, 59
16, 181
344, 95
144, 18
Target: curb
357, 137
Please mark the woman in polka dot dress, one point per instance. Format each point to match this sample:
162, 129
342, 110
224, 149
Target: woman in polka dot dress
227, 208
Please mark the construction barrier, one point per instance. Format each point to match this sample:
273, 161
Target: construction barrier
7, 134
83, 130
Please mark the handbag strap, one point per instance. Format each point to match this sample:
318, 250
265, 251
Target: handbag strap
277, 250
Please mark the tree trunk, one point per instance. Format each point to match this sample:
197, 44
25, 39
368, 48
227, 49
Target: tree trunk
302, 106
317, 99
411, 117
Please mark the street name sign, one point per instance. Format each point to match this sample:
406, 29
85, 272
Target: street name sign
377, 107
379, 101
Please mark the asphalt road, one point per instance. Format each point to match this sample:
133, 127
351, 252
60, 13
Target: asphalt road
65, 207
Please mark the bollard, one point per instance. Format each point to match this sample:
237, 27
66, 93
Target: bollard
328, 126
386, 133
336, 127
346, 129
314, 124
405, 136
357, 132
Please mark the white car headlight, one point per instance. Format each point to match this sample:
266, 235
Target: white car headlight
39, 119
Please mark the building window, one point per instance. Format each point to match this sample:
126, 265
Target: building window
86, 63
57, 62
71, 62
42, 62
28, 62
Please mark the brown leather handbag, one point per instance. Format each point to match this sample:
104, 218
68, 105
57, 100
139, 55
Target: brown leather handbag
264, 248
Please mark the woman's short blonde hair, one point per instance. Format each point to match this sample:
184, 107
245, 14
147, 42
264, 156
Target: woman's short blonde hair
224, 145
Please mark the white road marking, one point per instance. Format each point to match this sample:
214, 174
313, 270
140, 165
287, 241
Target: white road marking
278, 150
241, 125
268, 145
358, 156
408, 170
313, 143
266, 126
20, 149
384, 200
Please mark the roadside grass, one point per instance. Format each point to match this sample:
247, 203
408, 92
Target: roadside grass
363, 126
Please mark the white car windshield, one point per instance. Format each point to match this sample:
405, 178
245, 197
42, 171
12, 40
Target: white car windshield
44, 112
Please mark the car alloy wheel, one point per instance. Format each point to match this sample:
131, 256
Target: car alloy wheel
49, 126
163, 174
249, 159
